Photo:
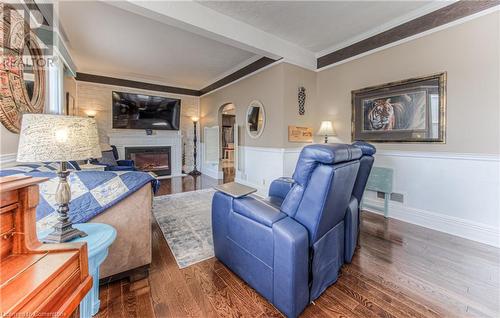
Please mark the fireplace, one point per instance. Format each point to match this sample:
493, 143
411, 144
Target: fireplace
154, 159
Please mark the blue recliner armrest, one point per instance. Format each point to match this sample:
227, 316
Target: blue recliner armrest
221, 206
128, 163
351, 223
291, 267
280, 187
257, 210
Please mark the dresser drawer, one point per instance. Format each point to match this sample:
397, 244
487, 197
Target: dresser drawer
8, 197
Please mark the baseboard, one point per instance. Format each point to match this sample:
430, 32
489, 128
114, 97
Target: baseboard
212, 172
455, 226
8, 159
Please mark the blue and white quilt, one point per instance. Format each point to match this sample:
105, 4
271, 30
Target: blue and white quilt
92, 192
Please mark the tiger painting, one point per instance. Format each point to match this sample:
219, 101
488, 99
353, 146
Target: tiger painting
401, 112
381, 117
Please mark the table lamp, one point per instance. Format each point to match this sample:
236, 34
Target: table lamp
326, 129
59, 138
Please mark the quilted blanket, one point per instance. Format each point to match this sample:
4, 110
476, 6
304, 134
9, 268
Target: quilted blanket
92, 192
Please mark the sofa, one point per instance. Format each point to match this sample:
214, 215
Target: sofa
111, 162
290, 246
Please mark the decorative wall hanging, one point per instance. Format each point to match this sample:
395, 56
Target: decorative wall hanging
412, 110
22, 74
300, 134
302, 100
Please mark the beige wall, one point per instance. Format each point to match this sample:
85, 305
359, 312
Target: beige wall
69, 86
294, 77
265, 86
277, 88
98, 97
468, 52
8, 141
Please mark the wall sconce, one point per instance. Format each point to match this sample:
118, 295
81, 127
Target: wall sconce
90, 113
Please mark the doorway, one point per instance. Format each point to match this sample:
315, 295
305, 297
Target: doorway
227, 124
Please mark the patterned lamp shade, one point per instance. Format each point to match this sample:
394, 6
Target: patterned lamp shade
57, 138
326, 129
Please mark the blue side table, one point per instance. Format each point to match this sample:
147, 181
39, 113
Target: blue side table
99, 238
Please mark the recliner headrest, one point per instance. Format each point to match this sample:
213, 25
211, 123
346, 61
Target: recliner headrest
366, 148
312, 155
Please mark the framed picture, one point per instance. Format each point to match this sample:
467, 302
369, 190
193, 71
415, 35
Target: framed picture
300, 134
412, 110
70, 105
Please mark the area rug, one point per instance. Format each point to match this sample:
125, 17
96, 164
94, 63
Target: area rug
186, 222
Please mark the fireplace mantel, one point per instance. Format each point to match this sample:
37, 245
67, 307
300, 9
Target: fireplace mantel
128, 138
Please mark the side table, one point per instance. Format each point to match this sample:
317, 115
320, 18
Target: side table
99, 238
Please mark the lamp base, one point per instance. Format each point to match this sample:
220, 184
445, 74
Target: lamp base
63, 233
195, 172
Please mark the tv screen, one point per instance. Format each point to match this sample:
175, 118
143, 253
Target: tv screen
137, 111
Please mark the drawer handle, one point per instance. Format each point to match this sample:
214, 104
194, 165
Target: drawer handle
7, 235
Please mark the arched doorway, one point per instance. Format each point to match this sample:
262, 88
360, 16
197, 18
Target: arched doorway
227, 124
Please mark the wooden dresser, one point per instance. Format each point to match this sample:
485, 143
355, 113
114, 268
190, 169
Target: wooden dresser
36, 279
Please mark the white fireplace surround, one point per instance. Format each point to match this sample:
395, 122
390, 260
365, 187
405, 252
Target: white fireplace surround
173, 139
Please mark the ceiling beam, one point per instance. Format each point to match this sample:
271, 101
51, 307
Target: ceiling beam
196, 18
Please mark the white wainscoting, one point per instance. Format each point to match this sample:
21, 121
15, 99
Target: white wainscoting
259, 166
450, 192
454, 193
207, 168
8, 160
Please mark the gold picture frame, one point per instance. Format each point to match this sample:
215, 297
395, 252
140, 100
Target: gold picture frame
300, 134
411, 110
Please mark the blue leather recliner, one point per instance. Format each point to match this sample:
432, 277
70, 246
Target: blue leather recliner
290, 247
352, 216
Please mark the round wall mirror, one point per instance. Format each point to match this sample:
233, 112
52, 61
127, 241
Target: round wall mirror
255, 119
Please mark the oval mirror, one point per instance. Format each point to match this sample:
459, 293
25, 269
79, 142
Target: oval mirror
255, 119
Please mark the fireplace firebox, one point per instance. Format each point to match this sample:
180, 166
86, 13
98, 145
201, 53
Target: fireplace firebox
154, 159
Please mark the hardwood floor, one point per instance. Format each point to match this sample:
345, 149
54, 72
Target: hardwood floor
399, 270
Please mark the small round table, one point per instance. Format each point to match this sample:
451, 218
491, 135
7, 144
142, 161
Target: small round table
99, 238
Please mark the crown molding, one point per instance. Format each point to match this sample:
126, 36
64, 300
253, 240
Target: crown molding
456, 11
84, 77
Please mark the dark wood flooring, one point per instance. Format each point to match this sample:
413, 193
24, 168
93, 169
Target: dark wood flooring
399, 270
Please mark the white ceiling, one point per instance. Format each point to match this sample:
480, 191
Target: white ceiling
320, 25
193, 44
106, 40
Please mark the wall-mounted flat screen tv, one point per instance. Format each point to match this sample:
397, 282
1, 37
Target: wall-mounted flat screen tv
137, 111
